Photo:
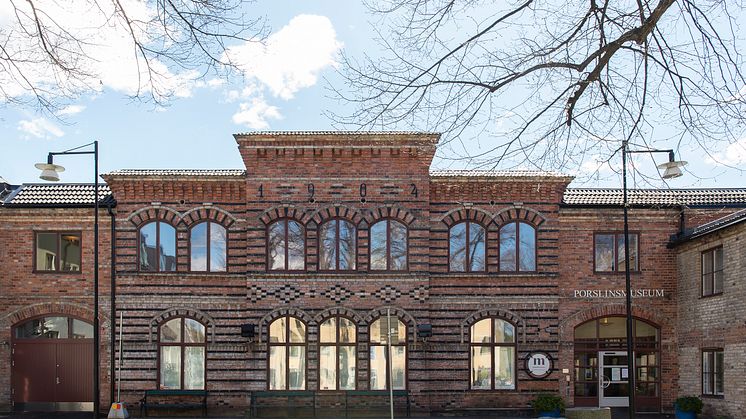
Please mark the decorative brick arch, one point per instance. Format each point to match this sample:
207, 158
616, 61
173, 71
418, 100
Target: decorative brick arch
80, 311
458, 215
191, 313
337, 211
497, 313
284, 211
524, 214
568, 324
208, 213
268, 318
400, 313
390, 212
152, 213
340, 311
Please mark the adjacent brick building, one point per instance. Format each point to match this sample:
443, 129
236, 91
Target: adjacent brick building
322, 235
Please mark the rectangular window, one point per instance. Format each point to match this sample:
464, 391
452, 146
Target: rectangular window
57, 252
712, 272
609, 252
712, 372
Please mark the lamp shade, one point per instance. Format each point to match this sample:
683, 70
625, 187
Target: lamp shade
49, 171
671, 169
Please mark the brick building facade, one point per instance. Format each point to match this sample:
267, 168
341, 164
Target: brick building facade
322, 235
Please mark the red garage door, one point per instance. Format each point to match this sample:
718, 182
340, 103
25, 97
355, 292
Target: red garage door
52, 364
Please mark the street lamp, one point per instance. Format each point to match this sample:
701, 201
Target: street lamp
672, 169
50, 172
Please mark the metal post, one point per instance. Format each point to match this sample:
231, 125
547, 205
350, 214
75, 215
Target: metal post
390, 362
96, 334
628, 288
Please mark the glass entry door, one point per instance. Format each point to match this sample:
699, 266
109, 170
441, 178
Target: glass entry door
613, 380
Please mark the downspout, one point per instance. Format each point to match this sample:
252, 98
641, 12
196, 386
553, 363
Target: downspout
113, 298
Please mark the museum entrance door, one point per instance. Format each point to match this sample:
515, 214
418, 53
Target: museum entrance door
613, 384
601, 377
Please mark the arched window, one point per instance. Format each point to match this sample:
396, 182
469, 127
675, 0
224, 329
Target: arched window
388, 246
286, 246
208, 247
379, 359
287, 354
492, 355
54, 327
181, 351
517, 247
466, 247
337, 246
337, 354
157, 247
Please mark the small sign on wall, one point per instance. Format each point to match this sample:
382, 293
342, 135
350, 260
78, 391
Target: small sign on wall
539, 364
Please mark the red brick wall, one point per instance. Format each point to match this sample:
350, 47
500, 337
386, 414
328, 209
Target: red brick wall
25, 294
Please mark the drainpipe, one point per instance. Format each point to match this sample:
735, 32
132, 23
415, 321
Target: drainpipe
113, 299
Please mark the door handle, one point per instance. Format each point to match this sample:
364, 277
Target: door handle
58, 380
605, 381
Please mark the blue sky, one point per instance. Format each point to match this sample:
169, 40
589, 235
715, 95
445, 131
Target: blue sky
283, 88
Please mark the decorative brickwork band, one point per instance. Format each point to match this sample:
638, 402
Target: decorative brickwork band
52, 307
174, 217
205, 213
391, 212
337, 211
497, 313
340, 311
518, 214
402, 314
191, 313
458, 215
280, 312
284, 211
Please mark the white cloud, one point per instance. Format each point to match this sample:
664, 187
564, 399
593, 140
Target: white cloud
292, 57
40, 128
733, 155
255, 114
71, 110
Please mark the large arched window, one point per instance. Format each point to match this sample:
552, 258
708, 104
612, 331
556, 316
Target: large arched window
54, 327
517, 247
380, 330
493, 353
208, 247
286, 246
337, 246
157, 247
337, 366
287, 354
466, 247
181, 351
388, 246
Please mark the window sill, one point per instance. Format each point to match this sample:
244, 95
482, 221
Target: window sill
711, 295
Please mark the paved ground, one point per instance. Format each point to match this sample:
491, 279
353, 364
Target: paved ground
616, 414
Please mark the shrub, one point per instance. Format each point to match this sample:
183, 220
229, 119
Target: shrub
689, 404
547, 403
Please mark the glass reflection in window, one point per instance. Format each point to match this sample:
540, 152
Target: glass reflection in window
181, 342
337, 349
467, 247
337, 246
286, 246
493, 355
388, 246
379, 359
517, 247
206, 252
157, 247
287, 354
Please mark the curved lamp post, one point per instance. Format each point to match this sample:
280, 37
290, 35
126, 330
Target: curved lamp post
50, 172
672, 169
